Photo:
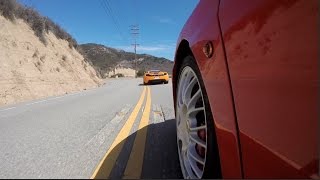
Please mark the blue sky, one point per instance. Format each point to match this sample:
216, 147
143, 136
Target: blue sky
160, 22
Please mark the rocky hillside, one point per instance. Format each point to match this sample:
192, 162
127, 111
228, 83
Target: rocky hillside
37, 62
105, 59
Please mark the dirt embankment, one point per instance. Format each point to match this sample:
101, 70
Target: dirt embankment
31, 70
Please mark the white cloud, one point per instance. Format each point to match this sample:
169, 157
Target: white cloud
147, 48
166, 21
160, 50
163, 20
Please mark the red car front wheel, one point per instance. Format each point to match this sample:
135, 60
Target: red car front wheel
195, 134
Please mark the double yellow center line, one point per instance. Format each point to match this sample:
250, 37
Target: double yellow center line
134, 166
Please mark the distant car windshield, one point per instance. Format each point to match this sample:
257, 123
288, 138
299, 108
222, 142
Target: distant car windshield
154, 71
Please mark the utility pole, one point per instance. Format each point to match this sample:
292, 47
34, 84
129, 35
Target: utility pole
135, 33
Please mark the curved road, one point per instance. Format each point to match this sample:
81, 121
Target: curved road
120, 130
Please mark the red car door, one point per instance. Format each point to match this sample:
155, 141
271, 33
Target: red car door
272, 50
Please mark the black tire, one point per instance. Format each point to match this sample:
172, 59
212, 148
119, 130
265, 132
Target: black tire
166, 82
212, 168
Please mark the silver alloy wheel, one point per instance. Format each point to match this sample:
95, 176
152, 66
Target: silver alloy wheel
191, 125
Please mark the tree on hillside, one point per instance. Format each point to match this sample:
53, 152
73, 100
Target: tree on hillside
140, 72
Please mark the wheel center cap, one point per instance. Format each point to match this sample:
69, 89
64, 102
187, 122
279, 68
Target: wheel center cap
184, 110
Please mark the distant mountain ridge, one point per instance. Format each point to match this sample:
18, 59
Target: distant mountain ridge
104, 59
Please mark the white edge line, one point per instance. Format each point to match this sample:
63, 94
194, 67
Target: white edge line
54, 98
43, 101
7, 109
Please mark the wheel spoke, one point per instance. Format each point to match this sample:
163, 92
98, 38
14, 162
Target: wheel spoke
193, 126
195, 168
194, 129
193, 111
188, 90
194, 99
194, 155
186, 82
195, 138
188, 77
187, 165
183, 82
180, 100
180, 90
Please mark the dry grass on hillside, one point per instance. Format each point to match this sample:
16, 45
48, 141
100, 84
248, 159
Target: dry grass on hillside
11, 10
34, 67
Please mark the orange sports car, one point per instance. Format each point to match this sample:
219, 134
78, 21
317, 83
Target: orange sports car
155, 76
246, 90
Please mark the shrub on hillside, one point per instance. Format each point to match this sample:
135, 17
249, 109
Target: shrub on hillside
64, 57
8, 8
117, 75
140, 73
39, 24
59, 32
34, 19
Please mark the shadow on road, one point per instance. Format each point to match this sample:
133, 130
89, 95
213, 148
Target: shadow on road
160, 157
153, 84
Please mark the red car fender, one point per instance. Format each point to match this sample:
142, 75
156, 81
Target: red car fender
195, 34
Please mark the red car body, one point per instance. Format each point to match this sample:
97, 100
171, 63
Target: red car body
262, 83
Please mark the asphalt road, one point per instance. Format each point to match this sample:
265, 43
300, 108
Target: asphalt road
119, 130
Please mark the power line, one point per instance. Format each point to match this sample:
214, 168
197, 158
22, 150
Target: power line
111, 10
135, 32
108, 10
113, 15
115, 12
109, 13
